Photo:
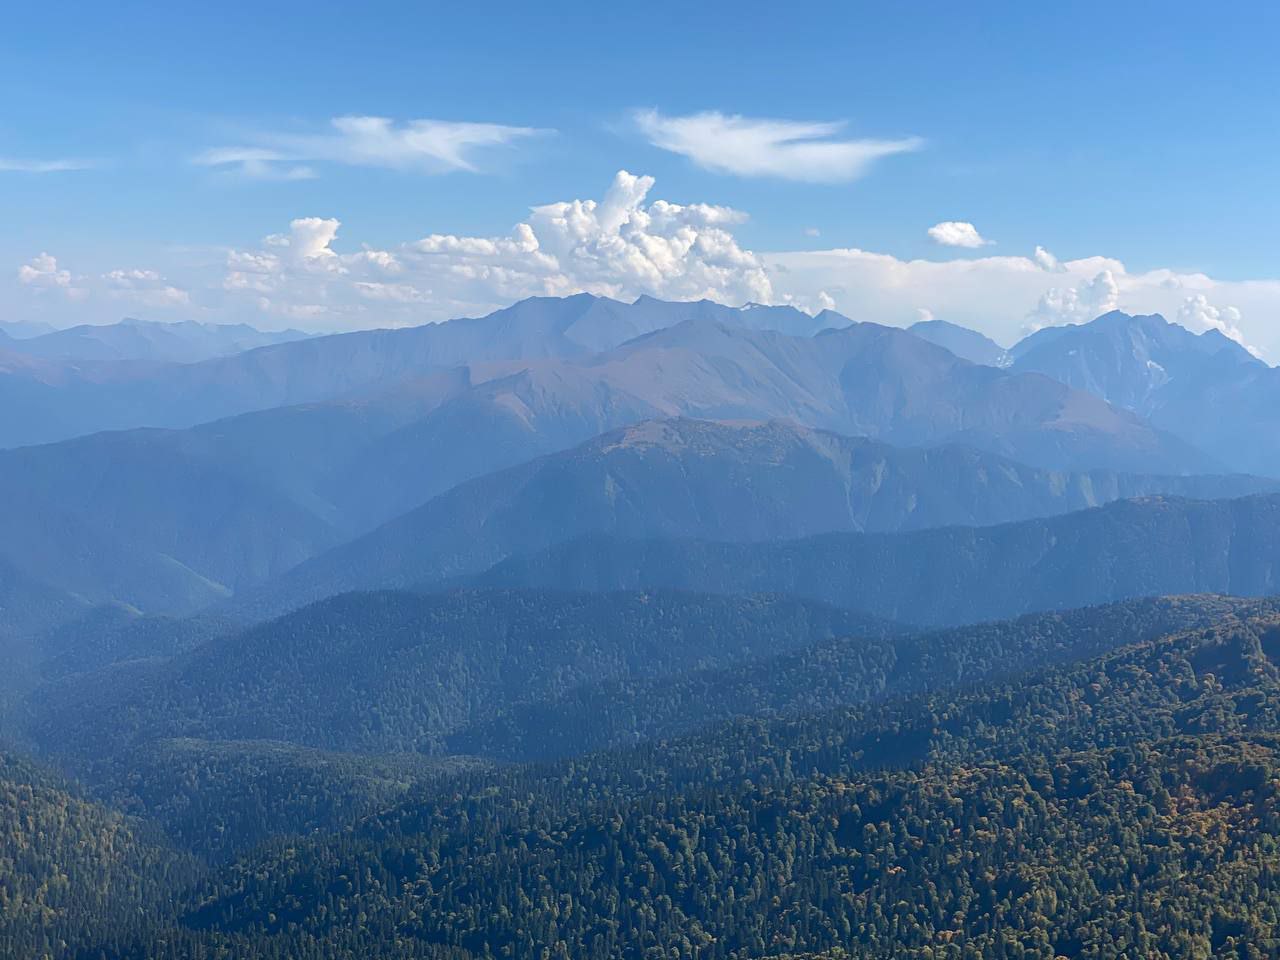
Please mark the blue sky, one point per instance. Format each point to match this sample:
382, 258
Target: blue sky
1141, 133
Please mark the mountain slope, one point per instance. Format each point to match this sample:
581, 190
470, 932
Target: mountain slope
28, 609
884, 383
1131, 548
841, 671
964, 343
687, 478
120, 517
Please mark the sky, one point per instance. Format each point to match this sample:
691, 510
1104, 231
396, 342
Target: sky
332, 166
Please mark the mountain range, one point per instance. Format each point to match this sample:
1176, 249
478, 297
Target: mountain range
63, 400
611, 630
687, 478
565, 370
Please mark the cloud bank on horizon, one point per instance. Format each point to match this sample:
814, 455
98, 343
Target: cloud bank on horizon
626, 244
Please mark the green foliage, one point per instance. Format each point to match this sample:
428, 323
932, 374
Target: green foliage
72, 870
1023, 790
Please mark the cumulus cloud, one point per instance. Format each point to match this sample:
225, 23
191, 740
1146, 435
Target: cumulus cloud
44, 275
1046, 259
621, 245
1078, 304
758, 147
1197, 313
626, 243
957, 233
18, 165
414, 146
42, 270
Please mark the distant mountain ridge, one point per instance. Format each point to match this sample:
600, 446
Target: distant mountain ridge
1132, 548
23, 329
149, 341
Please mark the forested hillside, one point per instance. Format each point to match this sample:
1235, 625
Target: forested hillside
830, 673
398, 671
1134, 548
72, 871
1032, 817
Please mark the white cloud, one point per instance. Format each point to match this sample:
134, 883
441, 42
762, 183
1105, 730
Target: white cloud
1046, 259
756, 147
42, 270
622, 245
627, 243
1007, 297
43, 274
1078, 304
17, 165
1198, 314
957, 233
145, 287
415, 146
812, 232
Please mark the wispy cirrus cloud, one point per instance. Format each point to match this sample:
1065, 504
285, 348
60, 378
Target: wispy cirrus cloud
762, 147
25, 165
254, 162
413, 146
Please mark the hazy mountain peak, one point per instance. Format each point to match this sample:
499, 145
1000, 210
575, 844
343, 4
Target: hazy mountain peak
25, 329
1127, 359
963, 342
